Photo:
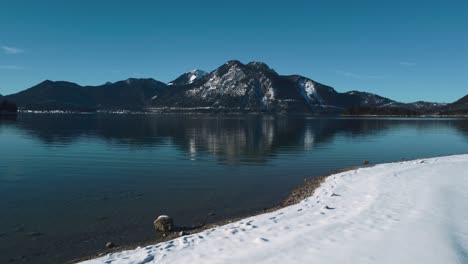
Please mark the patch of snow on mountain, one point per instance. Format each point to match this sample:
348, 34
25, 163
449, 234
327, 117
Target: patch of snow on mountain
268, 91
420, 104
196, 75
235, 81
308, 91
229, 83
389, 104
193, 77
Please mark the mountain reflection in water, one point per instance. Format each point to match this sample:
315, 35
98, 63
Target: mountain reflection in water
70, 183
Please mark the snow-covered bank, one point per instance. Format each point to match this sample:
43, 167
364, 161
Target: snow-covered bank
407, 212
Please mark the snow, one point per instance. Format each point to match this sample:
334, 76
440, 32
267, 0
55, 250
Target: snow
388, 104
309, 87
268, 92
236, 82
218, 84
196, 75
405, 212
193, 77
308, 91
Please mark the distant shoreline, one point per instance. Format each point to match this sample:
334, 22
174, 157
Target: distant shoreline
127, 112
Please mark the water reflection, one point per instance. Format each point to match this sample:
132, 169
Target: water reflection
7, 118
230, 139
89, 179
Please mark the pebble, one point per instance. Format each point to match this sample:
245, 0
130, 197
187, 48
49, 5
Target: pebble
110, 245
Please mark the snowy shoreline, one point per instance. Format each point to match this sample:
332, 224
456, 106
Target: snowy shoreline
404, 212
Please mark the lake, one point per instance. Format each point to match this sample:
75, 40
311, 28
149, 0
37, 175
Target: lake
71, 183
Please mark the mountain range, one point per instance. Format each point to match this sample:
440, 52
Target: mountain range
233, 87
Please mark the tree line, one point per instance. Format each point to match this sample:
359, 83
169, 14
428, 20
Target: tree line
8, 107
391, 111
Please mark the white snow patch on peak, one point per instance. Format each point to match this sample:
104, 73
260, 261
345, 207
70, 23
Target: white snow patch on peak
196, 75
229, 83
199, 72
258, 64
193, 77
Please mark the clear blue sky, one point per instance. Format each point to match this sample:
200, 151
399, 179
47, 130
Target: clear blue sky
405, 50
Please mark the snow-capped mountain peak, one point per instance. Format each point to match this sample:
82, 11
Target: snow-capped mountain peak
232, 87
196, 75
257, 65
189, 77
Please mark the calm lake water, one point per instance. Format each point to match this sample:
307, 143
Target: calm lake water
70, 183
